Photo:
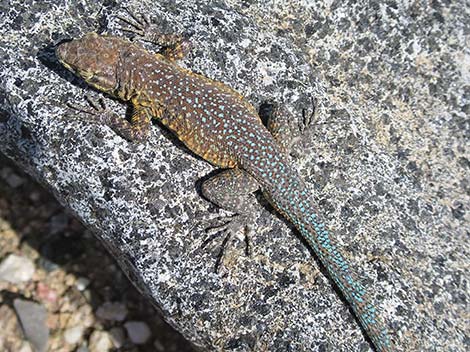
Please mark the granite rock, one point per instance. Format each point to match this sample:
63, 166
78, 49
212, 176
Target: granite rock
387, 163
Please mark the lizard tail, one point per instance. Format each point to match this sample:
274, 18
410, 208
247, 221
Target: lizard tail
294, 203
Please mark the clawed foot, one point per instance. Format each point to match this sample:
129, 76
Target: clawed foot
96, 109
227, 227
139, 24
307, 118
173, 46
303, 126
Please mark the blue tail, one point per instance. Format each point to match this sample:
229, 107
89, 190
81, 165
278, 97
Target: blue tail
290, 198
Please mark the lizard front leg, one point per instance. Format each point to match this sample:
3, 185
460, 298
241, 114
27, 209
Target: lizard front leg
173, 46
137, 129
232, 190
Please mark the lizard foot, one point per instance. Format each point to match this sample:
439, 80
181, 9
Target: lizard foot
96, 109
139, 24
172, 45
136, 130
303, 126
142, 26
227, 227
307, 117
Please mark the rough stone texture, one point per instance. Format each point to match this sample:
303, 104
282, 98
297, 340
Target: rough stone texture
10, 328
16, 269
33, 321
388, 164
100, 341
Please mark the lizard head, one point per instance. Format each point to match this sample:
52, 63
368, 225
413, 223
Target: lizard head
94, 58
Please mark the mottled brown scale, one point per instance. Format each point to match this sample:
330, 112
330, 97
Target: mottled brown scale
218, 124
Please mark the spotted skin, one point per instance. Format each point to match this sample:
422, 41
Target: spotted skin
216, 123
280, 125
232, 189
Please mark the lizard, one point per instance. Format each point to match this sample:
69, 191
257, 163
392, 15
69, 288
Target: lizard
221, 126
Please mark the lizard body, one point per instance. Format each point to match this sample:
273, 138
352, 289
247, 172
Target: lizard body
216, 123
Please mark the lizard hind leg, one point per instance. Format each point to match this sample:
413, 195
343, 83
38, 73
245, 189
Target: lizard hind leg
232, 190
286, 130
173, 46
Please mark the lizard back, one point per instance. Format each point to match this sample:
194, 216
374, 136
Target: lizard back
210, 118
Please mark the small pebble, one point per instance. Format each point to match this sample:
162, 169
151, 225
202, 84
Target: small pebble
16, 269
114, 311
33, 321
118, 336
26, 347
100, 341
82, 283
138, 331
58, 223
158, 346
14, 181
73, 335
70, 280
11, 178
47, 265
45, 293
35, 196
82, 348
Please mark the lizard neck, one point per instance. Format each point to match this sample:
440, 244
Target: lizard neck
128, 75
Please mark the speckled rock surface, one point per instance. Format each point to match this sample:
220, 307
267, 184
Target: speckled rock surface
388, 164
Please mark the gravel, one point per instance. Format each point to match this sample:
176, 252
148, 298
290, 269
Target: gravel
16, 269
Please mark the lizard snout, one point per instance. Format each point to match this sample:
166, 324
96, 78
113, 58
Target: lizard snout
67, 53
